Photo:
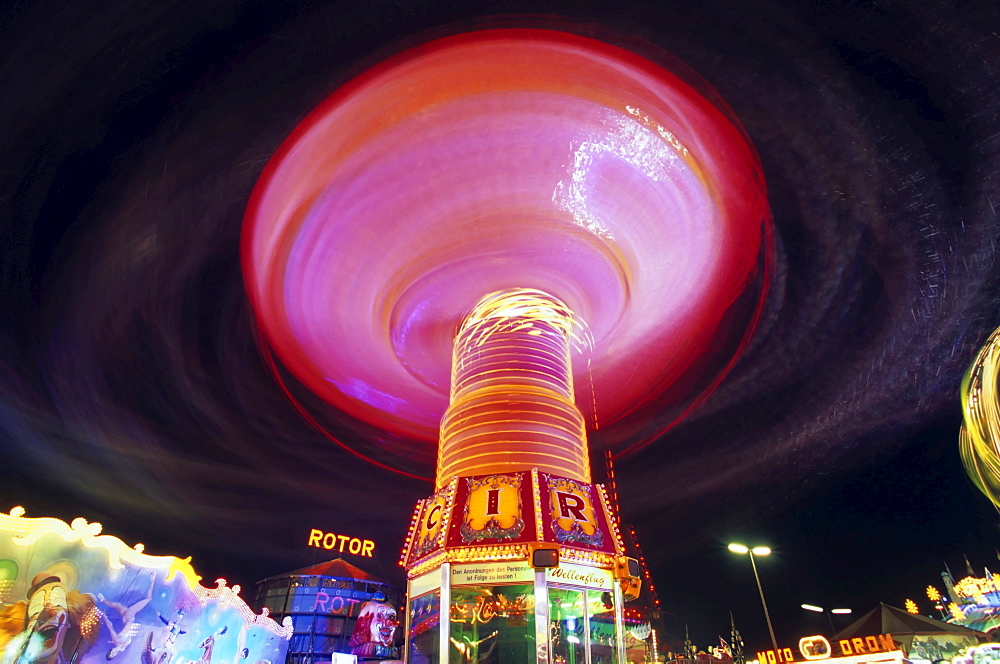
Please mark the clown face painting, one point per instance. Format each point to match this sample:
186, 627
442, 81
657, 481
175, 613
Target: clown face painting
375, 630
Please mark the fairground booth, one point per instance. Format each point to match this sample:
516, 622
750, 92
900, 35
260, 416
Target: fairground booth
334, 608
923, 639
884, 635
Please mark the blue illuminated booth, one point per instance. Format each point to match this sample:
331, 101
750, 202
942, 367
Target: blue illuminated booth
324, 603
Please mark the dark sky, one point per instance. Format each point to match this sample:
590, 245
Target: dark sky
133, 392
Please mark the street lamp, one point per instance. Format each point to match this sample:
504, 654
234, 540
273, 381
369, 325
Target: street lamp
820, 609
757, 551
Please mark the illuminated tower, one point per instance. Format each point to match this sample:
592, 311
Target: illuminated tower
512, 389
517, 553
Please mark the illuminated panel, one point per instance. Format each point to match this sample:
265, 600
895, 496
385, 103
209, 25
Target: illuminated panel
574, 517
341, 543
512, 405
429, 526
502, 159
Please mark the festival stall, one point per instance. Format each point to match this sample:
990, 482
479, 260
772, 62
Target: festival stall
336, 610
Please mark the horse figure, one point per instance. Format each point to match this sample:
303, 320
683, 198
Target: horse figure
206, 648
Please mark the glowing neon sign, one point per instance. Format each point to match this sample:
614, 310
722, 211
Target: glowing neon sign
339, 543
973, 587
813, 648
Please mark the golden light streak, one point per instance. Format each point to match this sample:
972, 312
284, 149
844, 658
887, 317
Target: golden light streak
979, 437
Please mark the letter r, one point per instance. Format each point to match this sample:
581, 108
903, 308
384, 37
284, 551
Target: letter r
570, 505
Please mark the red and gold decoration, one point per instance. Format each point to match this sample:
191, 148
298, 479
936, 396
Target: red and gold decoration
513, 408
430, 523
493, 508
572, 513
500, 517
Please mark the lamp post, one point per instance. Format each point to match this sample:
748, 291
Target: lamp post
820, 609
757, 551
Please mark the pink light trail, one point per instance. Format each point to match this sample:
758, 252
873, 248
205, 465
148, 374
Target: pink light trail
504, 159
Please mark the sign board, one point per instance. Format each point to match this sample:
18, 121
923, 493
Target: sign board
493, 509
341, 543
580, 575
425, 583
814, 648
430, 524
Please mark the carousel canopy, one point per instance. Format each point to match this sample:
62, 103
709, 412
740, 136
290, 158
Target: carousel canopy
885, 619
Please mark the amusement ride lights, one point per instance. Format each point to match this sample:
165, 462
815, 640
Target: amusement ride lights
27, 532
979, 437
502, 159
512, 404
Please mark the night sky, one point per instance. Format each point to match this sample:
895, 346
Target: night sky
133, 391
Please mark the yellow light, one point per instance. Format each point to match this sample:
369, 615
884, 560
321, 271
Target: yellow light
512, 401
739, 548
911, 606
956, 611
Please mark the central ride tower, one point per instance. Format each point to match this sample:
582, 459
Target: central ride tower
517, 556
